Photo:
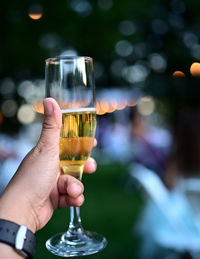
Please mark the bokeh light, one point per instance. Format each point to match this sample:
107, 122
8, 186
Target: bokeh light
25, 88
35, 16
136, 73
127, 28
178, 74
121, 104
157, 62
113, 106
69, 52
35, 11
9, 108
7, 86
82, 7
26, 114
32, 91
124, 48
190, 39
115, 100
38, 107
146, 105
195, 69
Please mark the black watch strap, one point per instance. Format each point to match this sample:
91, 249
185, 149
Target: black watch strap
19, 237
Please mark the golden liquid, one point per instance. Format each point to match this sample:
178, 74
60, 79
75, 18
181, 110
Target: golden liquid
76, 139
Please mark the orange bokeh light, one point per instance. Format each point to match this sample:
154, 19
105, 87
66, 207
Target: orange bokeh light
103, 106
38, 107
100, 110
97, 107
111, 108
35, 16
114, 104
122, 104
131, 103
178, 74
195, 69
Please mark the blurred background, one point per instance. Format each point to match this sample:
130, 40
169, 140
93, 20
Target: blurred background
144, 196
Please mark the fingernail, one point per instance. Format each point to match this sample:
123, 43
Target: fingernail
48, 108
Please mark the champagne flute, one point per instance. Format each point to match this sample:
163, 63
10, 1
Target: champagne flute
70, 81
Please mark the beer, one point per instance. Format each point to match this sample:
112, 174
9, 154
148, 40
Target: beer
76, 139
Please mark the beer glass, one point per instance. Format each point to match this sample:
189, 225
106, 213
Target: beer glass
70, 81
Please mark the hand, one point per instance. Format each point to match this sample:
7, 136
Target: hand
38, 188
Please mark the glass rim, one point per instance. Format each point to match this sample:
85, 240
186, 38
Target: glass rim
70, 58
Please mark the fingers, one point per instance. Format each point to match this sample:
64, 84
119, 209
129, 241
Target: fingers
66, 201
70, 191
70, 185
90, 166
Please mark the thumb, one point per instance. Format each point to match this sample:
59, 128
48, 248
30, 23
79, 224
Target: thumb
51, 125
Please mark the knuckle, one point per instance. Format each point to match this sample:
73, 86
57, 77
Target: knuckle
48, 125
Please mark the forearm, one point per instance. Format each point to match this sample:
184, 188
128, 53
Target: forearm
12, 209
8, 252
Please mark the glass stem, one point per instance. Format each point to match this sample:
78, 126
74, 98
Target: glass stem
75, 225
75, 229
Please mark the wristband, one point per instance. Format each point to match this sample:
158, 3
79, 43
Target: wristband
19, 237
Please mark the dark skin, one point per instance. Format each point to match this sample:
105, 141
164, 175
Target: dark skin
38, 187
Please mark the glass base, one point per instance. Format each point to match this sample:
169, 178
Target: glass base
85, 243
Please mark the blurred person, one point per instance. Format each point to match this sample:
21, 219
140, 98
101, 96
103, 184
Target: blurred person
173, 155
38, 187
170, 218
150, 145
185, 153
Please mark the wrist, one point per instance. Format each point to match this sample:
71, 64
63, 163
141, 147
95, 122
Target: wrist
16, 210
20, 238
